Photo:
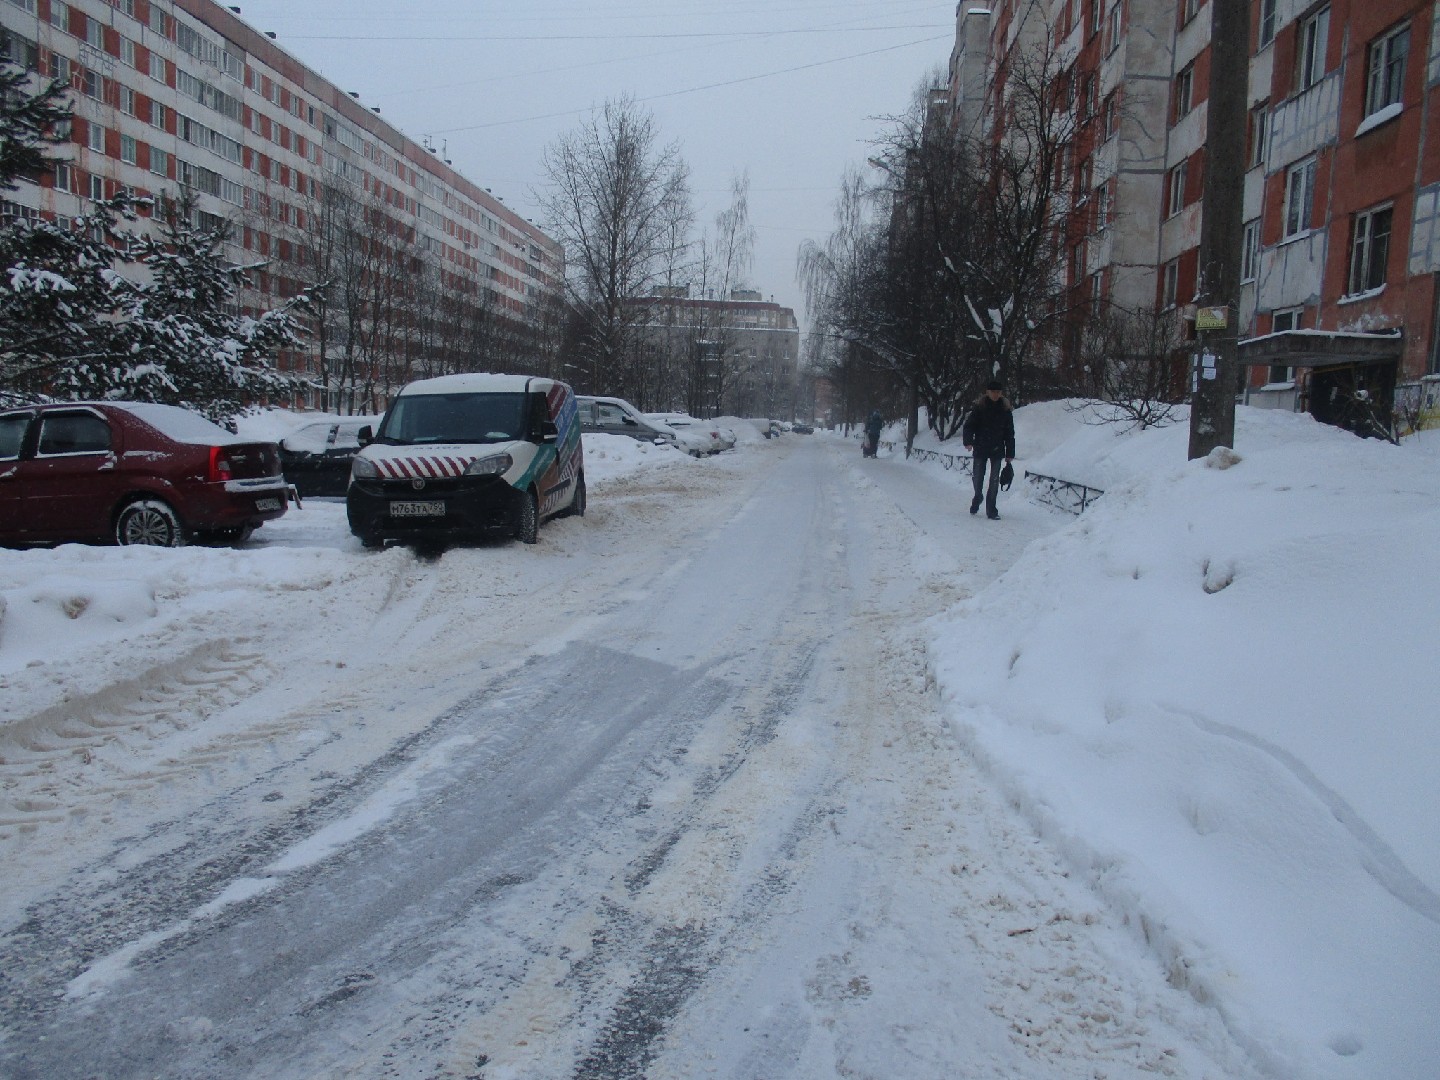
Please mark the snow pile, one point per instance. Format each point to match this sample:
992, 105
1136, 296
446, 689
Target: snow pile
1210, 693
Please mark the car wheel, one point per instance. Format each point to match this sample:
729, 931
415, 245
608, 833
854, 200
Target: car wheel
150, 522
577, 502
372, 542
527, 518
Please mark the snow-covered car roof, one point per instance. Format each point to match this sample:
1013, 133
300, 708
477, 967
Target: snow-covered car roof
181, 425
476, 382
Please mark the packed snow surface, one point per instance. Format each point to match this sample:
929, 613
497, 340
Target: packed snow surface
1148, 791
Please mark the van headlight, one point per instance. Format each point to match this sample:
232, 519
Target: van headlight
363, 469
494, 465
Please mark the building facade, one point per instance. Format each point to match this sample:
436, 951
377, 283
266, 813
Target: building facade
1341, 213
739, 355
180, 98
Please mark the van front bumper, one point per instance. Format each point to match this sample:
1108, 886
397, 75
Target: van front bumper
452, 508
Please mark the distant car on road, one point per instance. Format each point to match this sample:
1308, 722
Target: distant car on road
131, 473
802, 429
698, 437
316, 456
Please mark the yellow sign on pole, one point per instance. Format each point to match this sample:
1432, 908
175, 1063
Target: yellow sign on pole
1212, 318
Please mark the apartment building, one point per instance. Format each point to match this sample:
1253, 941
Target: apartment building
747, 348
174, 95
1343, 153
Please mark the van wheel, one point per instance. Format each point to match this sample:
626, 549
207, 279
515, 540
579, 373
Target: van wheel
149, 522
372, 542
577, 502
527, 518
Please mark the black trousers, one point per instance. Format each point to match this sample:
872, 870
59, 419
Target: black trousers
977, 473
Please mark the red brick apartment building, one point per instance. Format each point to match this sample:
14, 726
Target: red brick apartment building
1341, 193
172, 94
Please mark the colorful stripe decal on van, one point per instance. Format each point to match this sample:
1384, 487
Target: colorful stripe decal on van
430, 467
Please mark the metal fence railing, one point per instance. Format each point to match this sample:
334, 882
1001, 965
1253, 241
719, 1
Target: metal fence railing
1062, 494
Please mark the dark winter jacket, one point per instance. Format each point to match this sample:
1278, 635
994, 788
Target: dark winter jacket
873, 425
990, 428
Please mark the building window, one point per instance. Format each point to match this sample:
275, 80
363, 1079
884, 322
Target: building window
1169, 284
64, 176
94, 33
127, 101
1310, 49
95, 138
157, 115
1369, 249
1112, 115
1250, 251
1184, 92
1097, 15
1175, 189
93, 85
1267, 22
1259, 127
1299, 198
127, 52
1102, 206
97, 188
157, 67
1189, 9
1282, 322
129, 152
157, 20
59, 15
1112, 28
159, 162
1385, 81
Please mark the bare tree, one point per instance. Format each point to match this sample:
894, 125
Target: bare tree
1133, 368
615, 198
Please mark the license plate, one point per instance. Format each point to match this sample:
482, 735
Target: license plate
264, 505
426, 508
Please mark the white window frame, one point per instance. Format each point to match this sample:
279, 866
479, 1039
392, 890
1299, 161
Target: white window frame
1385, 70
1112, 27
1175, 188
95, 137
1259, 134
60, 15
129, 150
1369, 256
1267, 22
1250, 252
127, 52
1299, 206
157, 67
1169, 284
127, 101
157, 115
1184, 93
1191, 9
159, 162
97, 188
1310, 48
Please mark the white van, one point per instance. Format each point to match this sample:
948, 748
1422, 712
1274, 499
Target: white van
464, 455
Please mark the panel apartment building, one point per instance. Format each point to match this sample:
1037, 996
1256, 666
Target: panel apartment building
1342, 184
746, 349
181, 94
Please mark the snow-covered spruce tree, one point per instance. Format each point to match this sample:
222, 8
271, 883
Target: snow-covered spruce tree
104, 307
181, 325
31, 121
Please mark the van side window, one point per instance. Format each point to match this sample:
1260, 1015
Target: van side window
539, 413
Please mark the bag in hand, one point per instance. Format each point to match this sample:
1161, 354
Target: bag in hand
1007, 476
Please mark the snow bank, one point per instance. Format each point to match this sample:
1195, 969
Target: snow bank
1210, 692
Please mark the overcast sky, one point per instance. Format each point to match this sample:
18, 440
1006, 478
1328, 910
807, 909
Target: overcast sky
790, 90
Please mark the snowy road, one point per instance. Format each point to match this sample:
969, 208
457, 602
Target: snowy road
668, 796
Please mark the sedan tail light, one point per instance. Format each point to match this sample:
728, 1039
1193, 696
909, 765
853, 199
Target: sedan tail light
219, 470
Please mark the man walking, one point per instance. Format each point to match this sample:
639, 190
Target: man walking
990, 431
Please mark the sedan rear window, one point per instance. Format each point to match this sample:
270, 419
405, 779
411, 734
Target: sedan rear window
12, 434
73, 433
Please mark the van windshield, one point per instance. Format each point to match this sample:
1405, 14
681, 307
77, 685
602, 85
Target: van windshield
454, 418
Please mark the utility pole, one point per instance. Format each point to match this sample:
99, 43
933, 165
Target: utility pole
1214, 378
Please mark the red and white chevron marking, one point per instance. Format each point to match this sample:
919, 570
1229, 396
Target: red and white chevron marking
422, 468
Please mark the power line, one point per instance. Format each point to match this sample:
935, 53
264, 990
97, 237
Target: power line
698, 89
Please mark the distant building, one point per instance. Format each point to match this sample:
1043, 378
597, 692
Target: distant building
181, 94
740, 353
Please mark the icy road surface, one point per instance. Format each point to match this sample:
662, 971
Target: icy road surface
668, 795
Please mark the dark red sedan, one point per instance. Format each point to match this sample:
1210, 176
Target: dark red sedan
131, 473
